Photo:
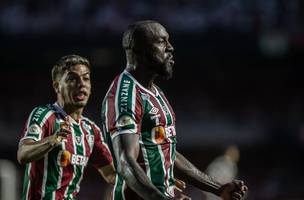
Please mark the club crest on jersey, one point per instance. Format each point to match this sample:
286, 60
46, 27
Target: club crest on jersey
90, 139
154, 111
78, 139
34, 129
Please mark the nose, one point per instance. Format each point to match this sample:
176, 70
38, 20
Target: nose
170, 47
81, 82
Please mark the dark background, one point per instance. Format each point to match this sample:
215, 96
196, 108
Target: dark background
237, 78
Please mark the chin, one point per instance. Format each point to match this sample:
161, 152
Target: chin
80, 104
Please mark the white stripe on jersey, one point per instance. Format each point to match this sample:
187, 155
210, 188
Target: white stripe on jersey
145, 156
29, 184
163, 165
45, 172
116, 97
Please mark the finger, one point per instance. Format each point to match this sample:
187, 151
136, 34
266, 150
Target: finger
178, 189
237, 195
180, 184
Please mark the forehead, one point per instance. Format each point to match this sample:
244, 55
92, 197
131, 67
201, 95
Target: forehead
155, 30
79, 69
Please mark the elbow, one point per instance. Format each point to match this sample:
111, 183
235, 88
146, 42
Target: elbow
21, 158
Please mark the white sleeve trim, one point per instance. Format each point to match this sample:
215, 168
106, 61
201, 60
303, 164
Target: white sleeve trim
123, 132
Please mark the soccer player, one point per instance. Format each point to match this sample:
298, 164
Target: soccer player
140, 123
58, 141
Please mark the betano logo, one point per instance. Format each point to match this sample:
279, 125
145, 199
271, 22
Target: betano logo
158, 134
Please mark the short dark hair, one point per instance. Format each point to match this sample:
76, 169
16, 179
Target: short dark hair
134, 32
66, 62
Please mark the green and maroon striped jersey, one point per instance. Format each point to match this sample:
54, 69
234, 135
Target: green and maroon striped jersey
152, 118
47, 178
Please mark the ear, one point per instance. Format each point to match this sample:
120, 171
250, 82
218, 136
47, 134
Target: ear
56, 86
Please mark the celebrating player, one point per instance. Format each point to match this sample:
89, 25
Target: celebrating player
58, 141
140, 123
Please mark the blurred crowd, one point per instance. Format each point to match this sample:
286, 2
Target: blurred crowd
94, 17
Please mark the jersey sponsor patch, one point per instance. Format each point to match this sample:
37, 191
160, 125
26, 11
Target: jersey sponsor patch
34, 129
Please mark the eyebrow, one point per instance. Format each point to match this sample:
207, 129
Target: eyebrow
73, 73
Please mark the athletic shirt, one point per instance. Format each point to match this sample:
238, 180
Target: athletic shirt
46, 178
152, 118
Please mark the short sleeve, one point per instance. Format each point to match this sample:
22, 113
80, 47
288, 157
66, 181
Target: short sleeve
37, 124
123, 108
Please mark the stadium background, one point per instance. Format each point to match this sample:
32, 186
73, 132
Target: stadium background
237, 78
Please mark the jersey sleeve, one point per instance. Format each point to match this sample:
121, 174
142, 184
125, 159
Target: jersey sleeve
123, 108
101, 155
37, 124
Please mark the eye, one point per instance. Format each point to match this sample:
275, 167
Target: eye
71, 78
87, 78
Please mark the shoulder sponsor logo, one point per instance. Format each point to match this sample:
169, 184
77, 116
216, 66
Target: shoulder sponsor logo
35, 129
124, 95
38, 113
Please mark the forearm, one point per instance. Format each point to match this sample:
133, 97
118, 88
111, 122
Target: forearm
137, 179
194, 176
34, 150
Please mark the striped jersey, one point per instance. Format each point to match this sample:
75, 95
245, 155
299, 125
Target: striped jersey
46, 178
152, 118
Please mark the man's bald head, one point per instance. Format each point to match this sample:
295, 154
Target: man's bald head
137, 33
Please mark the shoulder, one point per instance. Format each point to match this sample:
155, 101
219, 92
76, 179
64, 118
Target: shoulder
40, 113
92, 124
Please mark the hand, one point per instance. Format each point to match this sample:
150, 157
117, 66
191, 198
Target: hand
234, 190
61, 134
178, 189
179, 185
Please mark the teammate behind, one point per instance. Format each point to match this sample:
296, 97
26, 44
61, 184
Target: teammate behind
58, 141
140, 123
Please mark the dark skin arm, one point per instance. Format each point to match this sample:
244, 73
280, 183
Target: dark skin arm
230, 191
126, 149
108, 173
30, 150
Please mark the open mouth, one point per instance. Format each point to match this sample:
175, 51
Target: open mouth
80, 95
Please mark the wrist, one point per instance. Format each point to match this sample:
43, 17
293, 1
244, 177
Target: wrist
53, 140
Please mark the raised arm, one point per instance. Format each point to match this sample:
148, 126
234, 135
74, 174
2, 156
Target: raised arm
126, 149
234, 190
30, 150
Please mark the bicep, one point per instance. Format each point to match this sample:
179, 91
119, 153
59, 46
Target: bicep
126, 146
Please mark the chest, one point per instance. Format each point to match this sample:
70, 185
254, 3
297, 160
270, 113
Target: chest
158, 122
78, 146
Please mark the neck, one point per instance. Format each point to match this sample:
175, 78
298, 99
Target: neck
72, 111
142, 74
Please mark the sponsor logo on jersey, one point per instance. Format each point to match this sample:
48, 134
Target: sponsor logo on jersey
124, 95
79, 160
160, 133
154, 111
34, 129
65, 158
38, 113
